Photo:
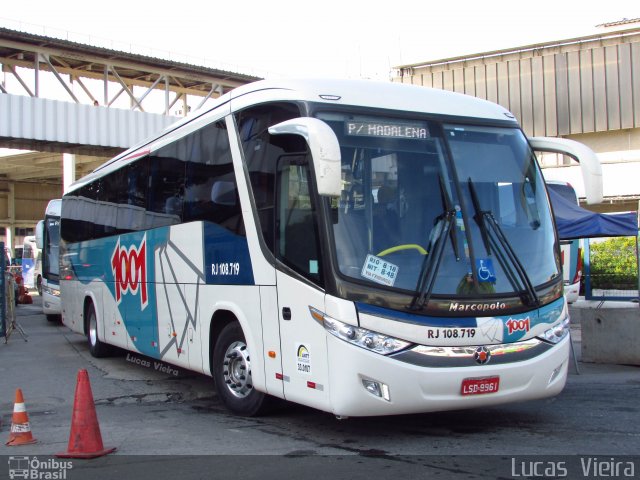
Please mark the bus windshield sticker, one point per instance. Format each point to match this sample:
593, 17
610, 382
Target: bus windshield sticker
485, 270
313, 266
380, 271
386, 129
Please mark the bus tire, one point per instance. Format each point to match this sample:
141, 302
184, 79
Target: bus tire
232, 373
97, 348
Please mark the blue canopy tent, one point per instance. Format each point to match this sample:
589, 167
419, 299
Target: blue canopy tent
574, 222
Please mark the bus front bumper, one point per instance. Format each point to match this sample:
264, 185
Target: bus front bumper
51, 304
365, 383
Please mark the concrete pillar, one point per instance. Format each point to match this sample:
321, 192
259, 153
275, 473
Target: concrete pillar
68, 170
9, 240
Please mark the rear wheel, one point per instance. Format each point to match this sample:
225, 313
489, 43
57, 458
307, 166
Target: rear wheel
232, 373
97, 348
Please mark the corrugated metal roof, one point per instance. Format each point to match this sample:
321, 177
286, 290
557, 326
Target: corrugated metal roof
624, 21
55, 126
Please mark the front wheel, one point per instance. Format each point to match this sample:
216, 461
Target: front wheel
97, 348
232, 373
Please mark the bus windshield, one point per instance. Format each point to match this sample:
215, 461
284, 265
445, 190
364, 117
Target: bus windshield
448, 210
50, 267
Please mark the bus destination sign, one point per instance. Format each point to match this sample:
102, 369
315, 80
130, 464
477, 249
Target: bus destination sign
411, 130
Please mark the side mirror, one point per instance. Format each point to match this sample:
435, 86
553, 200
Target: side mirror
325, 150
40, 234
589, 162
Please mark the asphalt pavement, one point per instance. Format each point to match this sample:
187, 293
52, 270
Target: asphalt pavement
163, 410
45, 368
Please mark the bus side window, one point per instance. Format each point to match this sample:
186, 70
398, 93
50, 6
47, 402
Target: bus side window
279, 175
296, 220
261, 153
79, 212
211, 194
165, 191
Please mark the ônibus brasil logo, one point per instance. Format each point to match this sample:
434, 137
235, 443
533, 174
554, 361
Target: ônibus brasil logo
129, 266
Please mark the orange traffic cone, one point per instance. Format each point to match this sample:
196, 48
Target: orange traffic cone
20, 428
85, 440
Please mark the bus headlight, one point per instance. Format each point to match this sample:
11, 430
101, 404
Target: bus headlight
558, 331
367, 339
51, 291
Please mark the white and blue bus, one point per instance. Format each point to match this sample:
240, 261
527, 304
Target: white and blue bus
362, 248
48, 240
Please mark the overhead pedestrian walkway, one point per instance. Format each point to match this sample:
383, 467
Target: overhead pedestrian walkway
73, 106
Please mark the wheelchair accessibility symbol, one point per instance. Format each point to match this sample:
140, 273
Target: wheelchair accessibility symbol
485, 271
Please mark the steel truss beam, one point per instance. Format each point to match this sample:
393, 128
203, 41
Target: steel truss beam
19, 50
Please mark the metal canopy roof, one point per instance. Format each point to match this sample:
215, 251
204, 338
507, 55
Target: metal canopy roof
43, 168
71, 62
19, 49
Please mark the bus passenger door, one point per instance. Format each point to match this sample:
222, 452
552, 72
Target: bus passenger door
302, 339
303, 343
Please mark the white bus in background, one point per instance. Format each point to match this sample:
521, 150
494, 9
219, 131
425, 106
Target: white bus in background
48, 240
570, 250
362, 248
591, 172
31, 263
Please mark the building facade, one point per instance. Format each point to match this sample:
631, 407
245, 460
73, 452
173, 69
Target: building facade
586, 89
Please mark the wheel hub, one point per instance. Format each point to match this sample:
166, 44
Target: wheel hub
93, 330
237, 370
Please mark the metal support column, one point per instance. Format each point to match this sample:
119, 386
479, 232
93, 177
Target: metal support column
11, 215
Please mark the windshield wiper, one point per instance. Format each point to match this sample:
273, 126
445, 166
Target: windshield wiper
432, 261
493, 236
449, 208
437, 242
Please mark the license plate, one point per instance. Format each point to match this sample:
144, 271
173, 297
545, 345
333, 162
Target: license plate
479, 386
